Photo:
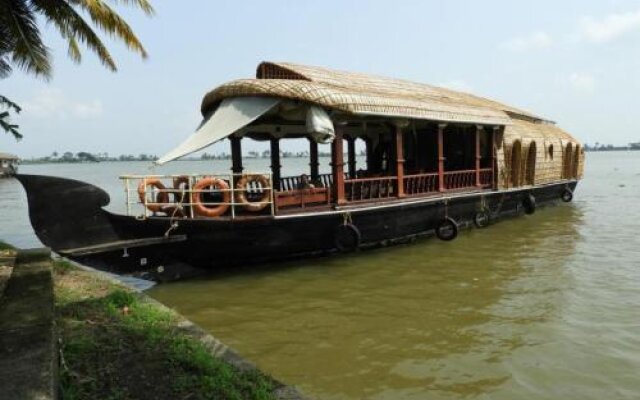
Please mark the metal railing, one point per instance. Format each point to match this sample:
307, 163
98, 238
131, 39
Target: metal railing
177, 196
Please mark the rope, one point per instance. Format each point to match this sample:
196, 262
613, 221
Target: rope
172, 222
173, 226
499, 208
346, 218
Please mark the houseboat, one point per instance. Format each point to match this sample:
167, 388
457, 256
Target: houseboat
8, 164
437, 160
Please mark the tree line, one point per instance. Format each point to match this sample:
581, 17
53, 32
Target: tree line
84, 157
609, 147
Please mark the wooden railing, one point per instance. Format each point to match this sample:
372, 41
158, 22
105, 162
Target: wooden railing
486, 177
288, 183
420, 183
460, 179
301, 198
363, 189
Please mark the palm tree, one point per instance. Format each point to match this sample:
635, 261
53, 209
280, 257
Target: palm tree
21, 44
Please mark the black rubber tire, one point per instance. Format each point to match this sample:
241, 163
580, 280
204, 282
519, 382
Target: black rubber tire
567, 195
447, 229
482, 219
347, 238
529, 204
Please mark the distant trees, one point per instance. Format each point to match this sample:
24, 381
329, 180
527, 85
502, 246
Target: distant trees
609, 147
84, 156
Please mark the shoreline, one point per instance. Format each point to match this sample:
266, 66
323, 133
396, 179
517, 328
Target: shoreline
116, 342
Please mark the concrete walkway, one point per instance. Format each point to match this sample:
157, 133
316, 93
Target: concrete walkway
28, 356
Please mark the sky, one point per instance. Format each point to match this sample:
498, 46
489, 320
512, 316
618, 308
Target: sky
576, 62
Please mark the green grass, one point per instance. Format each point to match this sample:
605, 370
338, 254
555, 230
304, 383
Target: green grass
116, 345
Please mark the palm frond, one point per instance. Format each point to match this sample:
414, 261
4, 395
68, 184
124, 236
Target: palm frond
6, 103
73, 50
6, 125
144, 5
5, 66
73, 28
23, 38
111, 23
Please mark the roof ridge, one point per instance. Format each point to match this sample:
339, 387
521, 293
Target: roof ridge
371, 83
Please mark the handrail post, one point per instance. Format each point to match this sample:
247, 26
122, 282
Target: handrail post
128, 196
479, 129
399, 160
275, 162
233, 196
144, 201
337, 165
313, 162
351, 156
192, 182
236, 154
494, 135
441, 128
273, 205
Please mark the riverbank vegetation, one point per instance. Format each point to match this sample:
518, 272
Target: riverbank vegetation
116, 344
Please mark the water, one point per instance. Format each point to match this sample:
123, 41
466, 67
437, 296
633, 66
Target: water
541, 307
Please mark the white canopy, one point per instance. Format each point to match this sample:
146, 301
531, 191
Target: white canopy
232, 115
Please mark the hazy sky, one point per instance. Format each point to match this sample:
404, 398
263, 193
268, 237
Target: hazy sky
574, 61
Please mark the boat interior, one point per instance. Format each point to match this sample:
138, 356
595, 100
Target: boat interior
403, 159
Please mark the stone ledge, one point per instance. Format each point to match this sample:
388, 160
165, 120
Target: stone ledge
28, 347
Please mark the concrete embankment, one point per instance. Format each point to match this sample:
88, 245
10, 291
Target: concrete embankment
28, 349
62, 329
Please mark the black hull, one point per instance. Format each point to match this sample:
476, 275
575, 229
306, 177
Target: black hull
68, 214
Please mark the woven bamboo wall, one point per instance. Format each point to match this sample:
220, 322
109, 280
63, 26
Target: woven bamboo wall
551, 161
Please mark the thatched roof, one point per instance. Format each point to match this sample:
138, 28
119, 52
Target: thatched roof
361, 94
519, 130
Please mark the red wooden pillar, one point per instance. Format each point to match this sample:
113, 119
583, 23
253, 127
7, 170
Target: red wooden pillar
313, 163
236, 155
494, 159
479, 130
275, 163
337, 166
351, 156
441, 156
399, 161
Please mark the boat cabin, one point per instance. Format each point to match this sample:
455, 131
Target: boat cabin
420, 141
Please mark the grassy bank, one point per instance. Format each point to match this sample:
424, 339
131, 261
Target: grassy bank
117, 345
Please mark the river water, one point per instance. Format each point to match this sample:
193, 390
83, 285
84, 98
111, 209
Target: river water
540, 307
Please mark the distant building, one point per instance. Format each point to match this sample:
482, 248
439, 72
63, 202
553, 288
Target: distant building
8, 164
634, 146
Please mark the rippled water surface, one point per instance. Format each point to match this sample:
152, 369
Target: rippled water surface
540, 307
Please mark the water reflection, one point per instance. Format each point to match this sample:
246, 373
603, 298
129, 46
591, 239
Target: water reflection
430, 318
542, 307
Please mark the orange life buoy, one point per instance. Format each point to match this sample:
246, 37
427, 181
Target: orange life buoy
241, 194
161, 199
210, 210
